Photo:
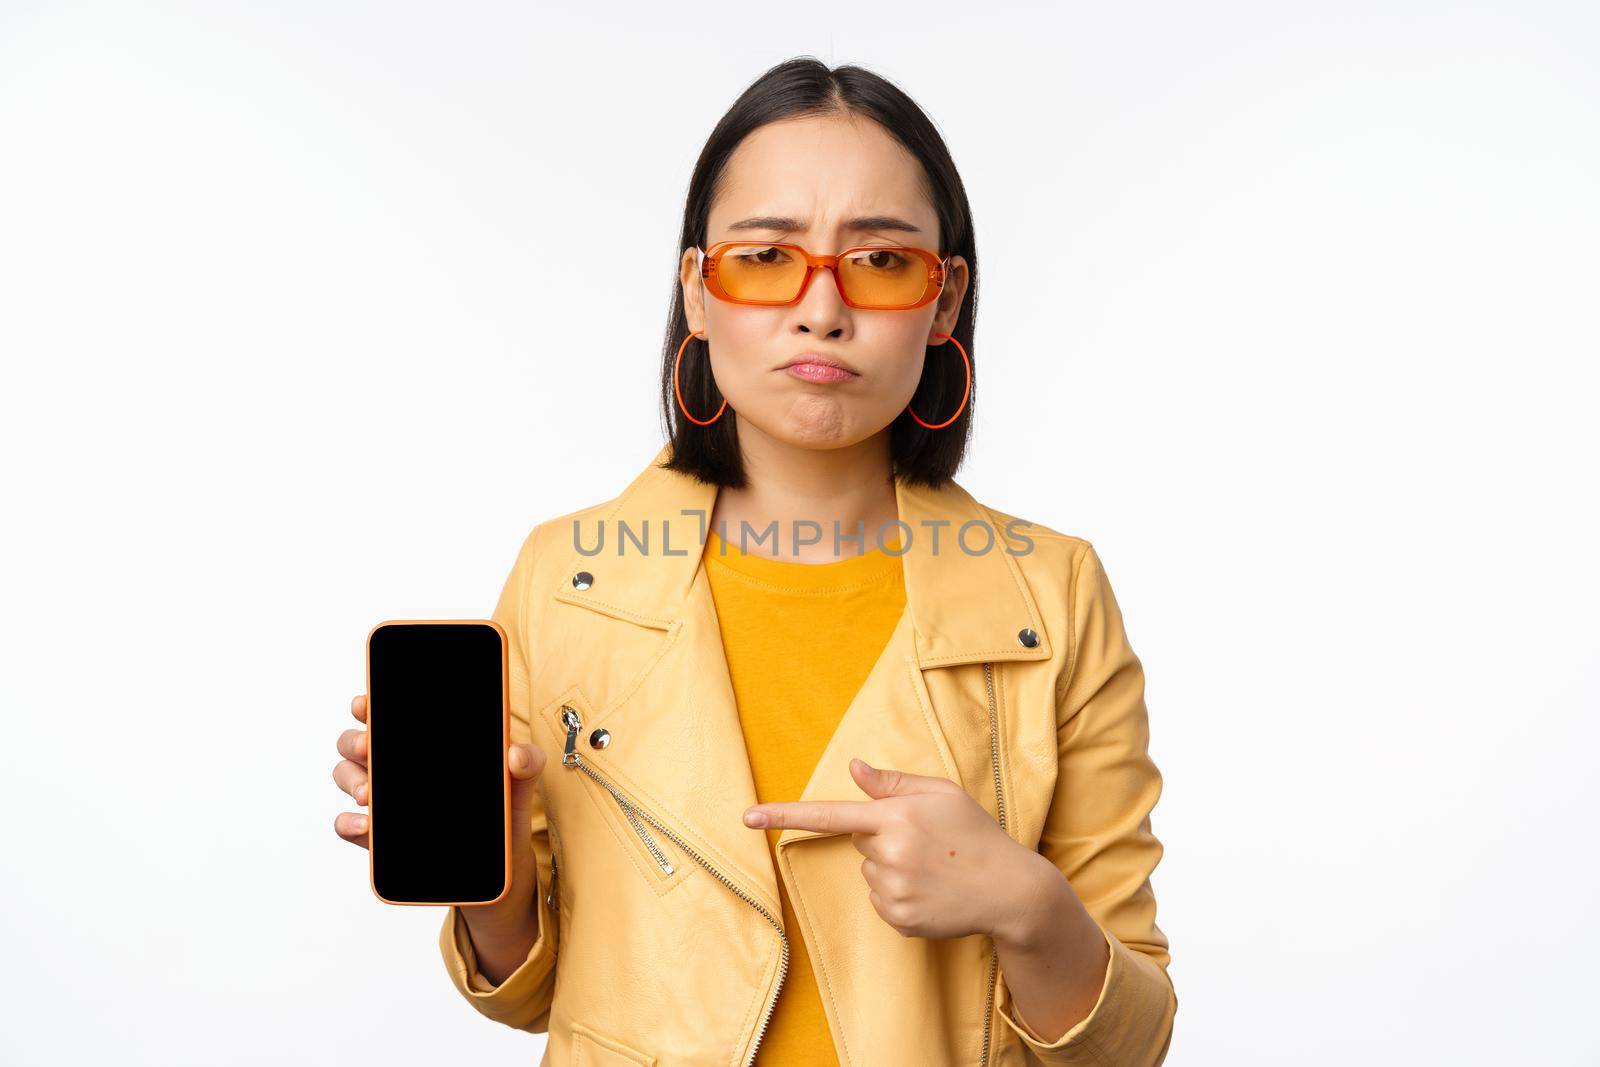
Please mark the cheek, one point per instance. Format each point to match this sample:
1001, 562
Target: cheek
905, 335
742, 328
743, 344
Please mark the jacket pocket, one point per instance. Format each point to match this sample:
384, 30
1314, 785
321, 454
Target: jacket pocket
593, 1049
656, 860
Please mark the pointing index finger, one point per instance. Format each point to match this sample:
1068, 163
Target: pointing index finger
823, 816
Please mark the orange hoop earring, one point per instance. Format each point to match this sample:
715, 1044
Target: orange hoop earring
679, 392
964, 395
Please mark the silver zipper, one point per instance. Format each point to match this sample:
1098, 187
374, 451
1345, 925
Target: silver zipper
571, 758
1000, 811
553, 898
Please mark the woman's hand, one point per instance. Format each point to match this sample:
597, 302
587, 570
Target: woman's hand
526, 762
937, 864
350, 774
940, 866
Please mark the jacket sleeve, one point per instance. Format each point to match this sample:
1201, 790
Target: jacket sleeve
1097, 832
523, 999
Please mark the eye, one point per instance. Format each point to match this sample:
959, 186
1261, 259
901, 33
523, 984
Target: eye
881, 260
756, 256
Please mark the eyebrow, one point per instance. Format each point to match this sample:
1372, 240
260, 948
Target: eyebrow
860, 223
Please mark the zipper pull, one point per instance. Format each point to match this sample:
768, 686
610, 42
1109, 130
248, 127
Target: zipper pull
569, 758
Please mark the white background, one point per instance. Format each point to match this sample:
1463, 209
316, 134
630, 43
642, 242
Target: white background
1289, 308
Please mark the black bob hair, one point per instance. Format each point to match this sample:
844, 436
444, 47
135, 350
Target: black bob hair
798, 87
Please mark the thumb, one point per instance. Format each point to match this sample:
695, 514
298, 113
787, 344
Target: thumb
526, 762
879, 782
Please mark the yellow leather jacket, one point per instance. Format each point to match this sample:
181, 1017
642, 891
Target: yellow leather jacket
661, 935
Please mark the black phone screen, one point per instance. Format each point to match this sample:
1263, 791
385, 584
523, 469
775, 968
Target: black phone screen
437, 792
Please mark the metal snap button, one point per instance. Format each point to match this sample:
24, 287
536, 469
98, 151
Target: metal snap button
582, 580
600, 738
1028, 638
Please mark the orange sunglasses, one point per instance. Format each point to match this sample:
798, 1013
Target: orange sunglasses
869, 277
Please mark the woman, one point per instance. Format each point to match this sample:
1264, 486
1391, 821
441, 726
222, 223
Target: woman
794, 612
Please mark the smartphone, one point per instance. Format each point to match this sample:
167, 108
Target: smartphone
439, 788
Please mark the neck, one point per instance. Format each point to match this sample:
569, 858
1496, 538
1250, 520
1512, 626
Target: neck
794, 496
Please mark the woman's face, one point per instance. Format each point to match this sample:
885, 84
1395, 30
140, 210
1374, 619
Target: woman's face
822, 174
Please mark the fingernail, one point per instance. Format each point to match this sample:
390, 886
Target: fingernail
360, 823
755, 818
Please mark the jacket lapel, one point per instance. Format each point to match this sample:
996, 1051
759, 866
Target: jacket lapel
677, 746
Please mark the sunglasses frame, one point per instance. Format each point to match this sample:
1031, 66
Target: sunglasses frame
710, 258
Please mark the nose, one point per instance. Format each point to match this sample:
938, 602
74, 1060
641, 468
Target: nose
821, 308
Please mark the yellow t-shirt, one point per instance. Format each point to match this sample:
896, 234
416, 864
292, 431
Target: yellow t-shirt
800, 639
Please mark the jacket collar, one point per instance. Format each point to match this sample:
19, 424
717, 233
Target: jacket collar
966, 605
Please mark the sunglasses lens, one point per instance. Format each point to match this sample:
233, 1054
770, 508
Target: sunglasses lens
871, 277
761, 272
883, 277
